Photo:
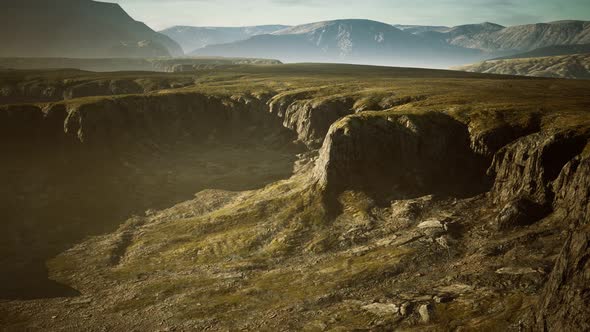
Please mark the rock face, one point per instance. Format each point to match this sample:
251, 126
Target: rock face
566, 298
527, 167
71, 28
396, 156
572, 189
138, 120
310, 120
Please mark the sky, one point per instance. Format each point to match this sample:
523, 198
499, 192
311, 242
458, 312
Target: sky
160, 14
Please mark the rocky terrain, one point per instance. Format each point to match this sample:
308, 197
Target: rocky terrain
77, 28
575, 66
328, 197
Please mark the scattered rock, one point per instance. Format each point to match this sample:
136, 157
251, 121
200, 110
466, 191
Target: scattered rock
425, 312
382, 309
431, 223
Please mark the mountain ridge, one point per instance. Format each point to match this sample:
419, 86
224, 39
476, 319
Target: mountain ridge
372, 42
192, 37
347, 40
68, 28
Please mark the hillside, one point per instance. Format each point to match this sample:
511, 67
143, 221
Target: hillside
496, 39
297, 197
554, 50
415, 29
77, 28
352, 41
192, 38
563, 66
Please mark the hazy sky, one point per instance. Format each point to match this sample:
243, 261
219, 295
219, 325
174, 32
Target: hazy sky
161, 14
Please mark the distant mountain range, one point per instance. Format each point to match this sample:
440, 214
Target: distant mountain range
371, 42
192, 38
352, 41
91, 29
495, 39
76, 28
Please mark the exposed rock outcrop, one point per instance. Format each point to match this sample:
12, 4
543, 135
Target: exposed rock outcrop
565, 300
311, 120
401, 155
140, 121
572, 189
527, 167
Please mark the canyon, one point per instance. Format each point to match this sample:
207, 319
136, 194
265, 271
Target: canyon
295, 197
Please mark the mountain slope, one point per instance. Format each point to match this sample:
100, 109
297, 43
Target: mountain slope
494, 38
71, 28
565, 66
551, 51
353, 41
192, 38
421, 28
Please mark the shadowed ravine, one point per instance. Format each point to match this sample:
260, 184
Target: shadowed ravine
61, 186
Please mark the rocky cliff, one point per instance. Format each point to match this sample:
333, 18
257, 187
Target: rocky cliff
419, 204
394, 156
538, 176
